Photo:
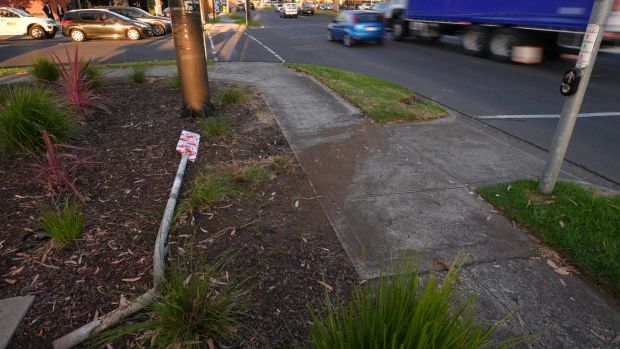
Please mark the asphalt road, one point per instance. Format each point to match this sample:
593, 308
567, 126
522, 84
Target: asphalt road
476, 87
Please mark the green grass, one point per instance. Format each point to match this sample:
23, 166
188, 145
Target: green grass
196, 304
137, 75
216, 127
233, 95
63, 224
236, 16
326, 13
251, 23
214, 20
44, 68
95, 74
400, 311
584, 227
28, 110
381, 100
173, 81
225, 184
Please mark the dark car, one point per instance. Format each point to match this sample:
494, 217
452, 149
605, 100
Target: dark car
99, 23
240, 7
306, 9
161, 25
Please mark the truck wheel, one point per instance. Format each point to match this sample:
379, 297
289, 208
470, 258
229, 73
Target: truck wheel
502, 42
36, 32
476, 41
400, 30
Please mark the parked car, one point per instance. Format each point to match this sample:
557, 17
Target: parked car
14, 21
326, 7
161, 25
240, 7
289, 9
306, 9
365, 6
278, 7
356, 26
100, 23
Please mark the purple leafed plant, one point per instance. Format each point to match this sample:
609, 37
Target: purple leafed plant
77, 87
58, 171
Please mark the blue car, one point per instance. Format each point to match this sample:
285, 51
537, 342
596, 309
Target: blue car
356, 26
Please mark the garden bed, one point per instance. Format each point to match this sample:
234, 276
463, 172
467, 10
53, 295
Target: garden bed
277, 238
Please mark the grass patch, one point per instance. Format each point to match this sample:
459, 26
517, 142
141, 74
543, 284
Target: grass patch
44, 68
236, 16
173, 81
214, 20
381, 100
226, 184
326, 13
137, 75
95, 75
251, 23
28, 110
233, 95
197, 305
400, 312
216, 127
584, 227
64, 223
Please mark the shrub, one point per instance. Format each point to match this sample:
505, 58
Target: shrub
196, 305
44, 69
400, 312
216, 127
63, 224
58, 171
233, 96
29, 110
137, 75
78, 89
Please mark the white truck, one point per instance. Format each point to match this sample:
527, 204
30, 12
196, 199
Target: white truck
14, 21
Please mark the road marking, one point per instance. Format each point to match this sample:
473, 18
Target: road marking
546, 116
265, 47
212, 47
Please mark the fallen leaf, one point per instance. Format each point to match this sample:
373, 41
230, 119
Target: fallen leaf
601, 337
10, 281
96, 271
562, 224
563, 283
304, 240
616, 340
117, 261
561, 271
123, 301
326, 285
14, 271
552, 264
210, 344
132, 279
297, 203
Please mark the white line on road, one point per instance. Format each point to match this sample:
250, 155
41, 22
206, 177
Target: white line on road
546, 116
266, 47
212, 47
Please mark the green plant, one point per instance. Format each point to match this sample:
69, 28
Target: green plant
78, 89
215, 20
250, 23
29, 110
582, 226
137, 75
236, 16
216, 127
400, 311
174, 81
196, 305
233, 95
64, 223
252, 176
94, 74
44, 69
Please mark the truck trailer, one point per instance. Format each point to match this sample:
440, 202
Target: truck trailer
497, 27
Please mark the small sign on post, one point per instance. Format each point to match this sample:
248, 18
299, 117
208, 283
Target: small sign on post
188, 144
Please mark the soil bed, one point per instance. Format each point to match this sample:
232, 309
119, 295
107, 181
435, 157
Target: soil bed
279, 238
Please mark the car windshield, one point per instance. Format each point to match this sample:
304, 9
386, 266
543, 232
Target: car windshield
21, 13
307, 6
368, 17
119, 16
136, 12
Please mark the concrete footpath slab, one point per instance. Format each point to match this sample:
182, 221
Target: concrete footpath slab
12, 311
392, 191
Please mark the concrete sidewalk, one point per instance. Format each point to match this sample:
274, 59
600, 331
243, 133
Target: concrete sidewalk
407, 190
400, 190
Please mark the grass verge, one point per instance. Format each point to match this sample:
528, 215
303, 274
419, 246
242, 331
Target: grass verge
137, 75
63, 224
584, 227
233, 95
236, 16
251, 23
326, 13
146, 64
400, 312
381, 100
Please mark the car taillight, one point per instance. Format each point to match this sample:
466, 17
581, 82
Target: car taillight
66, 21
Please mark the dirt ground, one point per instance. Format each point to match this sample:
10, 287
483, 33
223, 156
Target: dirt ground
280, 240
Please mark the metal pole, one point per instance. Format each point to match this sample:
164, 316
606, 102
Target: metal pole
587, 57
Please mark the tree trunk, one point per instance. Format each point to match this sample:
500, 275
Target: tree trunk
248, 11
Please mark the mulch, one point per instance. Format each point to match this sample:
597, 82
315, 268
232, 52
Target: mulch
279, 239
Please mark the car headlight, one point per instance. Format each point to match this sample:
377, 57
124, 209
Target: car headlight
358, 27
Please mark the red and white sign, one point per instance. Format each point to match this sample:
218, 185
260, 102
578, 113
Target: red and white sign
188, 143
587, 46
